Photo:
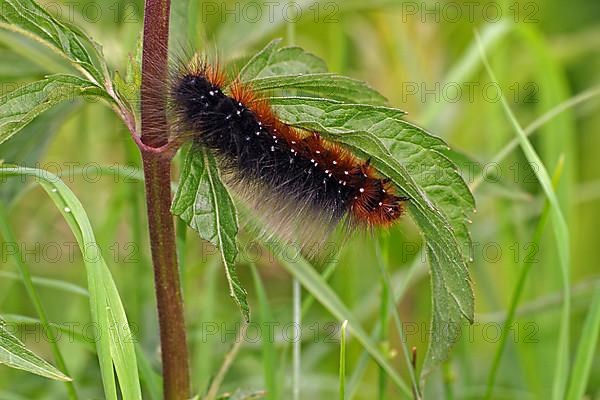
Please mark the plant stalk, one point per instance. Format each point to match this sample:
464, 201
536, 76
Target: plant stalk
157, 173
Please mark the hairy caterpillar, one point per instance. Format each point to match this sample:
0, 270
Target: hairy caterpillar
300, 183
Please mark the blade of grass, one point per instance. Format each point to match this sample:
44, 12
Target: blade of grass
34, 297
381, 250
49, 283
561, 232
64, 329
313, 282
327, 273
343, 361
581, 294
150, 378
468, 63
268, 348
399, 326
229, 357
585, 351
114, 343
535, 125
398, 294
518, 290
296, 288
297, 344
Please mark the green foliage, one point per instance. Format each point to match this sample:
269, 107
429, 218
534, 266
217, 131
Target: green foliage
114, 342
368, 41
561, 232
14, 354
27, 17
19, 107
203, 202
358, 126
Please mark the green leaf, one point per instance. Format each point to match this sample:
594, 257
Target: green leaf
128, 87
14, 354
585, 351
413, 160
420, 153
19, 107
324, 85
27, 17
204, 203
115, 340
272, 61
439, 197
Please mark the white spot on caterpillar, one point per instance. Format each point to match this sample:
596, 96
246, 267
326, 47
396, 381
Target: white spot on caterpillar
257, 133
240, 104
334, 162
362, 190
228, 116
247, 138
380, 204
365, 175
345, 172
274, 137
312, 160
211, 93
330, 174
239, 112
272, 148
326, 171
318, 151
293, 142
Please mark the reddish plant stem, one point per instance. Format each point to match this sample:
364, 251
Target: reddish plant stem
157, 173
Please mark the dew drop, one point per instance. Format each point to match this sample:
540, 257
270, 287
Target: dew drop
67, 209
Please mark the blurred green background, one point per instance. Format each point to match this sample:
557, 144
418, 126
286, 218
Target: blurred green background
423, 57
